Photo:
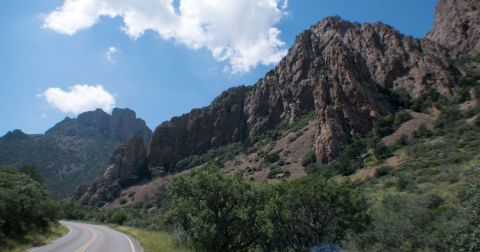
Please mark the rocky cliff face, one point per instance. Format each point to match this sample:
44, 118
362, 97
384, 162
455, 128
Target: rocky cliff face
74, 151
344, 71
457, 27
220, 123
127, 165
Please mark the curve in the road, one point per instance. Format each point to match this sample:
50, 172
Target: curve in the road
89, 242
91, 238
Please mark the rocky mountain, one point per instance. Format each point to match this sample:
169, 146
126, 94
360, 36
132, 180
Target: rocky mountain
74, 151
339, 78
348, 73
126, 166
456, 27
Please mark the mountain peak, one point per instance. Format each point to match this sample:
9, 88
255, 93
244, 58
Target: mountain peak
15, 135
335, 68
457, 27
121, 124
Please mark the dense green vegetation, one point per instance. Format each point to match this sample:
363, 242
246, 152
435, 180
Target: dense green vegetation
78, 158
25, 207
429, 202
214, 211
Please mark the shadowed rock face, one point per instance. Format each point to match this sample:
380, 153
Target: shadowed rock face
337, 68
126, 166
457, 27
220, 123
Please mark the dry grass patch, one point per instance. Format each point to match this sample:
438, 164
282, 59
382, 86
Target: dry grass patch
152, 241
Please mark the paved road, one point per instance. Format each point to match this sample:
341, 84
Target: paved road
91, 238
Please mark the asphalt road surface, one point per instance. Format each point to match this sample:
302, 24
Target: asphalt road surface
91, 238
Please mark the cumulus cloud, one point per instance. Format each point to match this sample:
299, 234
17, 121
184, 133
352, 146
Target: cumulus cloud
79, 98
110, 52
240, 32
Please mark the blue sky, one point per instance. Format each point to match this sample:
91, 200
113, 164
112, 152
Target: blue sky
156, 76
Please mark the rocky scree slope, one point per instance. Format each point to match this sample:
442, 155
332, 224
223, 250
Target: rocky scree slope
74, 151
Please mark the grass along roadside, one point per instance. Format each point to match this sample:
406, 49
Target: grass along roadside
152, 241
54, 232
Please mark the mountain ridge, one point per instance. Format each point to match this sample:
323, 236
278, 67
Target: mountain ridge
73, 151
339, 69
349, 75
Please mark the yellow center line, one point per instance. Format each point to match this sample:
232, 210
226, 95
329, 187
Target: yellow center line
89, 242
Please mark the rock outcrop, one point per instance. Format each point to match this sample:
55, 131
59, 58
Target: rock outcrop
220, 123
457, 27
345, 71
126, 166
121, 124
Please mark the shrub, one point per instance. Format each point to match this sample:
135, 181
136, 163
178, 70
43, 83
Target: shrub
300, 122
384, 126
426, 100
447, 116
466, 237
381, 151
462, 95
119, 216
272, 157
382, 171
422, 132
309, 158
401, 142
274, 172
401, 117
477, 121
400, 224
404, 183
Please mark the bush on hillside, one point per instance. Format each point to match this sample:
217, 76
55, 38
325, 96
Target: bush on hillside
467, 235
24, 203
309, 158
310, 211
406, 223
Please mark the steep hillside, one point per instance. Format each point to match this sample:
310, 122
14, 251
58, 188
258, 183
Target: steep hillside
350, 74
74, 151
337, 81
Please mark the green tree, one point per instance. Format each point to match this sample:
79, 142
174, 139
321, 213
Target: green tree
119, 216
407, 223
384, 126
219, 212
310, 211
24, 205
33, 172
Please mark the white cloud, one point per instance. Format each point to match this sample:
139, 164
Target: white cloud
110, 52
240, 32
79, 98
